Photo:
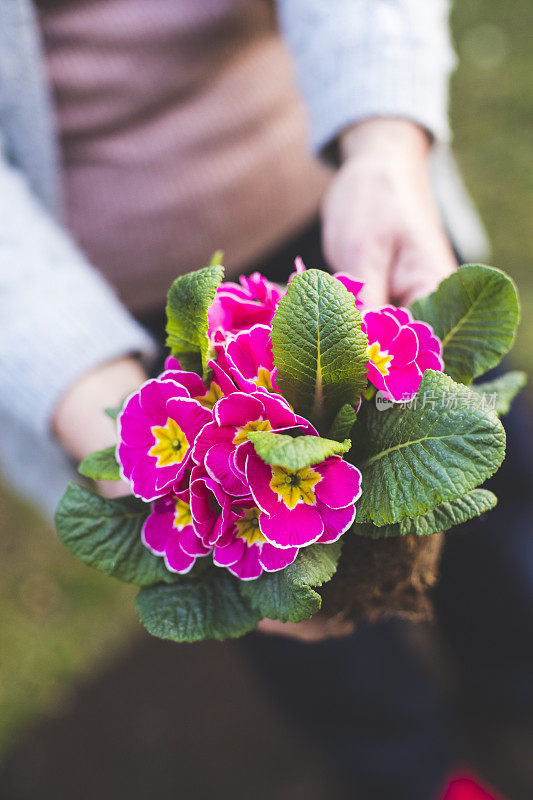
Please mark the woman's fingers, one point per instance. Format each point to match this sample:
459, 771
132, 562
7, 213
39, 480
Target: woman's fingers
380, 219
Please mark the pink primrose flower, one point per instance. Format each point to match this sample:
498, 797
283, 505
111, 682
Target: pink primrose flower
234, 417
249, 359
169, 532
400, 349
244, 551
298, 508
210, 507
238, 307
220, 384
157, 429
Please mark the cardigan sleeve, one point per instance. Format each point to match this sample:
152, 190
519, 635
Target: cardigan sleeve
59, 318
362, 58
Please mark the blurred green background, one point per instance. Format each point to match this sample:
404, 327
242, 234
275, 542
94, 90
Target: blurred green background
59, 621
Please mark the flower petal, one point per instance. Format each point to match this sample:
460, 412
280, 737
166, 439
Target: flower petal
221, 377
156, 531
248, 568
191, 544
217, 464
340, 485
190, 416
277, 411
402, 315
405, 348
233, 552
272, 559
375, 377
428, 360
237, 409
292, 528
353, 286
209, 435
190, 381
154, 395
176, 559
380, 327
336, 522
258, 477
426, 338
172, 363
210, 509
402, 384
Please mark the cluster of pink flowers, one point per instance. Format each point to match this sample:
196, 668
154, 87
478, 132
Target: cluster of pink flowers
184, 447
400, 349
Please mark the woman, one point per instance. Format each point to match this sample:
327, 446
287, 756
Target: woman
172, 128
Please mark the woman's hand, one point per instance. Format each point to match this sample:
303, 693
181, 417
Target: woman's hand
80, 422
380, 219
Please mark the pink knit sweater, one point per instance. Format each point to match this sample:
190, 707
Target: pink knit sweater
181, 132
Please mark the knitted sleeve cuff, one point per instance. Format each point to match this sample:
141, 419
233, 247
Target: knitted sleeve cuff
361, 58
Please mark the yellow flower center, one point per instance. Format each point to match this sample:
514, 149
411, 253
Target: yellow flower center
248, 527
254, 425
380, 358
293, 487
213, 394
264, 379
171, 444
182, 515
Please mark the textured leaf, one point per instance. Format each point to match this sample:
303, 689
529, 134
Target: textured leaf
500, 393
343, 423
475, 313
318, 347
188, 300
100, 465
281, 450
414, 458
441, 518
106, 535
287, 595
209, 606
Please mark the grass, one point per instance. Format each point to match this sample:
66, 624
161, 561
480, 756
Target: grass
59, 621
492, 113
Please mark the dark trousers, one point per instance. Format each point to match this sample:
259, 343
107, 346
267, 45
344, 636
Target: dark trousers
370, 701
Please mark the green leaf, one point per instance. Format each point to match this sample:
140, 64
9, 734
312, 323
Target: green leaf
343, 423
500, 392
441, 518
475, 313
113, 413
188, 300
287, 595
281, 450
209, 606
414, 458
106, 535
318, 347
100, 465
